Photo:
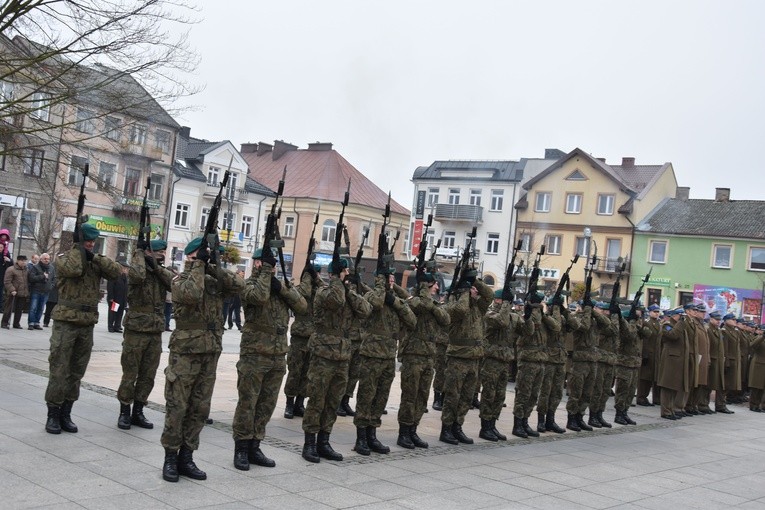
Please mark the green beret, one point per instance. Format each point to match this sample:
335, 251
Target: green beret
158, 244
193, 246
428, 277
317, 267
335, 270
498, 294
89, 232
221, 249
257, 253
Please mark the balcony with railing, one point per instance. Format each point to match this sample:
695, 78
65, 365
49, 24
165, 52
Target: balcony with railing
466, 213
607, 265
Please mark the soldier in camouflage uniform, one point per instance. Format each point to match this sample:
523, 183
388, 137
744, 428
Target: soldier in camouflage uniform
502, 327
148, 284
298, 357
260, 370
195, 346
416, 352
608, 346
378, 360
333, 309
441, 339
356, 331
463, 356
628, 361
71, 341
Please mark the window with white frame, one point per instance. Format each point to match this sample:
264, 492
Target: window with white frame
203, 218
2, 156
756, 258
247, 222
182, 215
606, 204
721, 256
370, 235
112, 128
328, 231
582, 247
526, 240
76, 167
229, 221
138, 134
657, 252
405, 244
231, 186
289, 226
543, 201
106, 173
162, 140
33, 162
431, 239
157, 183
132, 182
213, 173
454, 196
432, 197
40, 106
28, 224
450, 239
497, 197
84, 122
475, 197
6, 91
492, 244
573, 203
552, 243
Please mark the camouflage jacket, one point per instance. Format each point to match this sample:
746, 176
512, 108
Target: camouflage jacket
267, 314
533, 347
303, 323
431, 318
357, 323
502, 328
385, 322
585, 336
79, 286
198, 294
630, 353
466, 329
608, 341
334, 307
147, 289
556, 350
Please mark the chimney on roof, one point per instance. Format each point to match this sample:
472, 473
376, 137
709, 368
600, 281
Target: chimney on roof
264, 147
185, 132
628, 162
722, 194
281, 148
320, 146
248, 148
682, 193
554, 153
602, 160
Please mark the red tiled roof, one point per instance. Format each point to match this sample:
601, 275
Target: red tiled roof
320, 174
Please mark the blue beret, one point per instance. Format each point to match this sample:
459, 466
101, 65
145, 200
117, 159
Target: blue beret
88, 232
518, 302
602, 305
689, 306
654, 308
701, 308
193, 246
342, 263
158, 244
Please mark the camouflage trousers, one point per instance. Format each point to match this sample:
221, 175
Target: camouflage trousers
326, 382
416, 376
551, 392
140, 359
374, 388
189, 383
604, 381
354, 369
70, 347
626, 386
259, 379
439, 367
527, 385
460, 383
494, 375
298, 360
581, 382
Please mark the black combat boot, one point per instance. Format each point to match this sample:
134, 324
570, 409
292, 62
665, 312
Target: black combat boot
619, 418
170, 466
581, 423
550, 424
602, 420
416, 440
486, 432
67, 425
241, 462
459, 434
374, 444
309, 448
573, 423
404, 439
340, 411
123, 421
592, 421
630, 421
138, 419
476, 404
256, 456
497, 433
186, 465
347, 406
324, 449
518, 429
437, 401
529, 431
299, 409
446, 434
289, 408
53, 423
361, 447
541, 423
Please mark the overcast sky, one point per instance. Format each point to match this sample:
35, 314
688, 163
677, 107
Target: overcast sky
398, 84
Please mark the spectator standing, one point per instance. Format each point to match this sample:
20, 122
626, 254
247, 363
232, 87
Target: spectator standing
5, 257
41, 276
16, 292
116, 296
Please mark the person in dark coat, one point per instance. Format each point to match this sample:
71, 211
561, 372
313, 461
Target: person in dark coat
52, 295
5, 258
116, 296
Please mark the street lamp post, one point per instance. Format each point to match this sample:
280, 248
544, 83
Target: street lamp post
21, 220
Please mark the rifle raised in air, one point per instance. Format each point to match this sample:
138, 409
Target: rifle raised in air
614, 305
338, 249
144, 222
210, 238
310, 255
638, 294
80, 218
421, 260
462, 266
533, 285
507, 289
271, 237
564, 281
382, 243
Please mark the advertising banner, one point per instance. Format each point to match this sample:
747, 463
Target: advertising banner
416, 237
741, 302
118, 227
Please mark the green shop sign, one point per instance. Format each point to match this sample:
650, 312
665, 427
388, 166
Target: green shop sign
117, 227
659, 282
138, 202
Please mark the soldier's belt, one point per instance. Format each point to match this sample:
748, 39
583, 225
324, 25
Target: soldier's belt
280, 330
78, 306
187, 326
146, 309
